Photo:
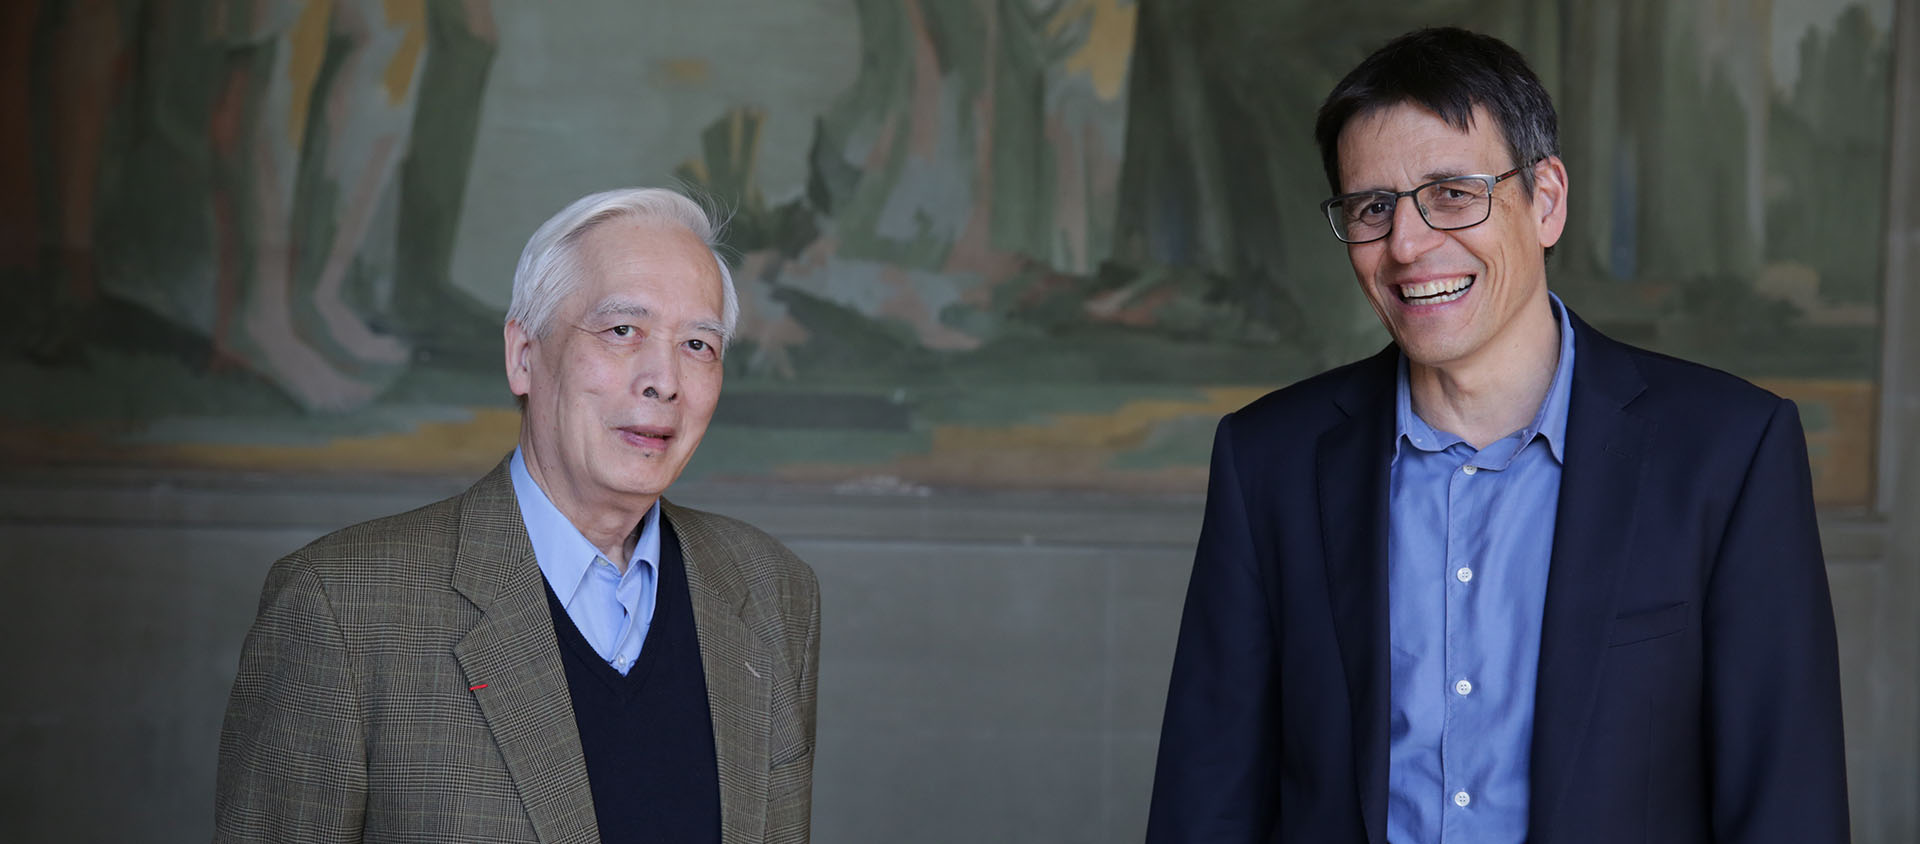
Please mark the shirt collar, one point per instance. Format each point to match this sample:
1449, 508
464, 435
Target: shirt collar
1550, 421
564, 554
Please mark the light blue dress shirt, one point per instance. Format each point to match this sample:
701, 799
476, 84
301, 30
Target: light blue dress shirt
613, 611
1468, 549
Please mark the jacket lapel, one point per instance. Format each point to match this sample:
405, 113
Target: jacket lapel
1353, 462
514, 652
1593, 530
739, 672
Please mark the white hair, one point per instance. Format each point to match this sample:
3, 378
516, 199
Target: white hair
549, 271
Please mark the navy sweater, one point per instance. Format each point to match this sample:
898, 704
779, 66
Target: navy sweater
648, 736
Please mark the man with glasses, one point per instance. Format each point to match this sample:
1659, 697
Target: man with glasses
1507, 580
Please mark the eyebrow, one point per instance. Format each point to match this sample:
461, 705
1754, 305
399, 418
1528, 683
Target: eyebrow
617, 307
1426, 178
1438, 175
718, 330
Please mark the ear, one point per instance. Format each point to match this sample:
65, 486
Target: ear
1550, 199
519, 358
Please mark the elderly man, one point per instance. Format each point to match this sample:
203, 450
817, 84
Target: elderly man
1507, 580
558, 653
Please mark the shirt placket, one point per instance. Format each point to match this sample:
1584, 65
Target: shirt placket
1458, 576
614, 616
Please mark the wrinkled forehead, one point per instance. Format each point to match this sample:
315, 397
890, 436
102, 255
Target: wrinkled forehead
660, 268
1388, 145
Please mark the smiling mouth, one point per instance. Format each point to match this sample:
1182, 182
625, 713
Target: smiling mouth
1435, 292
647, 437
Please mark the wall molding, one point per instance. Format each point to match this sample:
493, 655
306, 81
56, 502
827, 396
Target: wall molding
250, 501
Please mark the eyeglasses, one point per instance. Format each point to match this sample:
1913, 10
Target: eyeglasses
1449, 204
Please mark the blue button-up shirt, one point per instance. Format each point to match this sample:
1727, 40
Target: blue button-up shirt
1468, 548
612, 610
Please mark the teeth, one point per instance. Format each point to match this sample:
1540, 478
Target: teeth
1435, 292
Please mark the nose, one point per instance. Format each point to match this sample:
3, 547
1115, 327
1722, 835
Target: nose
1411, 236
658, 373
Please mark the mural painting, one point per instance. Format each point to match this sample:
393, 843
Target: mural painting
979, 243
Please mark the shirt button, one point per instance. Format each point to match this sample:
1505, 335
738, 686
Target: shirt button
1469, 470
1464, 574
1463, 687
1461, 799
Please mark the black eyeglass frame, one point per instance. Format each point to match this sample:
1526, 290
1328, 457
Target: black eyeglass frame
1326, 206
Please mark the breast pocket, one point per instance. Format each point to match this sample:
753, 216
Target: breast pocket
1635, 627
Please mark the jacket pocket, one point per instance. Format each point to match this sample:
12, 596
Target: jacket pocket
1651, 624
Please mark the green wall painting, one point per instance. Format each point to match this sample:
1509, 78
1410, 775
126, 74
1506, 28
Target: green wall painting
993, 243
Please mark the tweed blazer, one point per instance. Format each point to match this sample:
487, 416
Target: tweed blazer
403, 682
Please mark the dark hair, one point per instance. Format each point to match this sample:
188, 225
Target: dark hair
1448, 71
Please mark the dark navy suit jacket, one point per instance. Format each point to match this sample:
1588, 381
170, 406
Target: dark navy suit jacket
1689, 684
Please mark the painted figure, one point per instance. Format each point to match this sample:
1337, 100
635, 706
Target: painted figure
559, 653
248, 171
294, 202
1508, 579
78, 76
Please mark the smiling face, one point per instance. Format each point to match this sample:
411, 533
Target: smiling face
620, 390
1455, 299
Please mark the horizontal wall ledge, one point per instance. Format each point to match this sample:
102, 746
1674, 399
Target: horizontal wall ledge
206, 499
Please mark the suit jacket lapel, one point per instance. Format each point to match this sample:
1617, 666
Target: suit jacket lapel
1593, 530
739, 672
514, 653
1353, 461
